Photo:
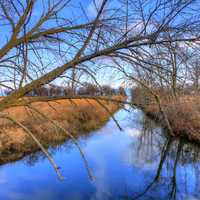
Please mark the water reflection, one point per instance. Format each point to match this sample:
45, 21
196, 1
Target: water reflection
177, 172
141, 162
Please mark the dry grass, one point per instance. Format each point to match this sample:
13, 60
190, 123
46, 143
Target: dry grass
183, 113
77, 116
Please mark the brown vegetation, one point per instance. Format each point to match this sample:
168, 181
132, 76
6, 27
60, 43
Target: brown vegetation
182, 112
76, 116
42, 45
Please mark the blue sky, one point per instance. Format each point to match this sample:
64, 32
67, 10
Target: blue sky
75, 12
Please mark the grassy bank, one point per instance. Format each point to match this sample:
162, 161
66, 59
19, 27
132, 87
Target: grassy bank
76, 116
183, 112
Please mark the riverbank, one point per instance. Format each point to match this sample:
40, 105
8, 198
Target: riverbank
183, 113
76, 116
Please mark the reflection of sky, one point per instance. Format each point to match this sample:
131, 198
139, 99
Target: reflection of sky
120, 164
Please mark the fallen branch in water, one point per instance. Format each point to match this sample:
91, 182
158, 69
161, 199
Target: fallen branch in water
107, 110
59, 126
6, 116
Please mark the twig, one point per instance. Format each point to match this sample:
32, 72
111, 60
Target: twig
4, 115
57, 125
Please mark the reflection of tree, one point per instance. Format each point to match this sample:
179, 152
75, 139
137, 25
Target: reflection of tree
147, 146
35, 157
173, 191
197, 176
175, 157
162, 159
190, 153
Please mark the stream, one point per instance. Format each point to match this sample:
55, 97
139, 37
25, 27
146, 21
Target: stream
140, 162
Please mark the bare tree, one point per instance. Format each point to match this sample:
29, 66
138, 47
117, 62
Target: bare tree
31, 37
43, 41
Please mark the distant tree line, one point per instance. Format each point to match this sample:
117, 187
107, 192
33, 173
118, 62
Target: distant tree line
86, 89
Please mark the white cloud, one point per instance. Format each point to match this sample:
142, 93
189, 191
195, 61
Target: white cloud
133, 132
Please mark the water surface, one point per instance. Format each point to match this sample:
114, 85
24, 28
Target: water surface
140, 162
